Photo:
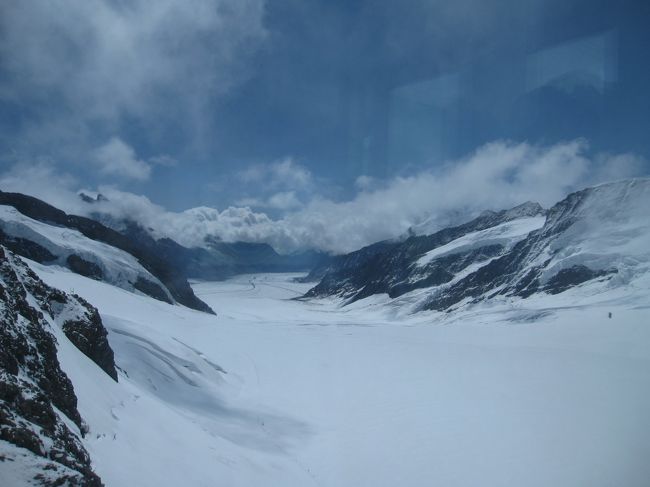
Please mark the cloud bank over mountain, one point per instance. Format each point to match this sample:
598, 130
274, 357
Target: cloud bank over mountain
496, 176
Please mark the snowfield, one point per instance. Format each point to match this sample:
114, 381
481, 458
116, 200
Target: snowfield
506, 234
547, 391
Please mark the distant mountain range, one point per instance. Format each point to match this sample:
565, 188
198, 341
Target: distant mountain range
214, 258
600, 236
124, 253
599, 233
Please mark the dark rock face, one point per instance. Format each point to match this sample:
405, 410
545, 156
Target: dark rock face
572, 276
26, 248
79, 320
527, 267
32, 383
388, 267
151, 258
515, 273
85, 330
84, 267
151, 289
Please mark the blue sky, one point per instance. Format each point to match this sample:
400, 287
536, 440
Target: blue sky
299, 108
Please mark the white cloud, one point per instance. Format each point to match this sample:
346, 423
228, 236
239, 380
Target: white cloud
108, 57
364, 182
250, 202
284, 201
496, 176
94, 67
281, 186
289, 174
283, 174
116, 158
163, 160
42, 179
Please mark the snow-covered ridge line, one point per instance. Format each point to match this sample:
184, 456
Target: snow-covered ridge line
108, 263
597, 233
399, 267
150, 254
506, 234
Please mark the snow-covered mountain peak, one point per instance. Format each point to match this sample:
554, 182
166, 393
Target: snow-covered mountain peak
203, 213
529, 208
601, 232
605, 227
456, 217
615, 202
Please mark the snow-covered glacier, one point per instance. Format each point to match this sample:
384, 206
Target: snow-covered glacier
548, 387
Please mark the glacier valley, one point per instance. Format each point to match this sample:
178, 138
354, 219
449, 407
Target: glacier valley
277, 391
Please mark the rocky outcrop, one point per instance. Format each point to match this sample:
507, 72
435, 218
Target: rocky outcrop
79, 320
38, 406
84, 267
150, 288
26, 248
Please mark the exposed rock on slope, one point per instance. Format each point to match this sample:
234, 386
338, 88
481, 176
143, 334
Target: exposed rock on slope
599, 232
40, 425
82, 255
419, 262
166, 277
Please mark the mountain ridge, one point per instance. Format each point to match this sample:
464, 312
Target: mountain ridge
388, 266
514, 252
41, 211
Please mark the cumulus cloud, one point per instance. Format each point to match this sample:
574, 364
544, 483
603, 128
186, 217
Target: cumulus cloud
496, 176
284, 201
116, 158
364, 182
109, 57
88, 69
163, 160
281, 186
42, 179
285, 174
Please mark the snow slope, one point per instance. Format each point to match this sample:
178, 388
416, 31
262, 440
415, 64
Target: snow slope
506, 234
118, 267
609, 228
277, 392
431, 261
